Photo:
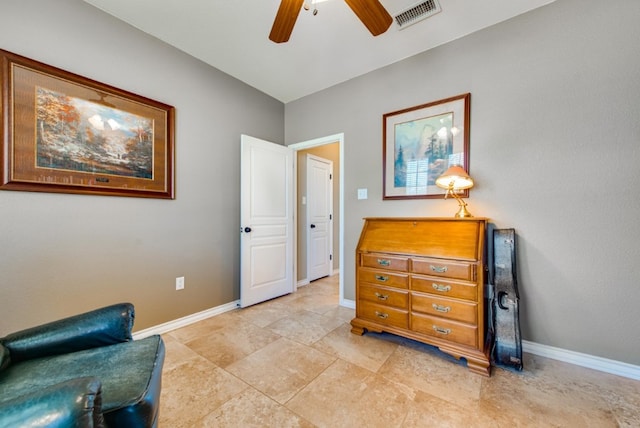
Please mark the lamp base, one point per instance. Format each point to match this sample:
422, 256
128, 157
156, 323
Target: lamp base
463, 212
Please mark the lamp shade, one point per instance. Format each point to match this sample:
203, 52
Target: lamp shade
455, 178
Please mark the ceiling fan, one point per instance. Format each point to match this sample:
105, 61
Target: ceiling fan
372, 14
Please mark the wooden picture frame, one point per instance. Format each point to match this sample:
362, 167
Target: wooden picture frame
419, 144
65, 133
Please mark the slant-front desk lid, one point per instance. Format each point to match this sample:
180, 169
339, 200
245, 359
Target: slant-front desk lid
441, 237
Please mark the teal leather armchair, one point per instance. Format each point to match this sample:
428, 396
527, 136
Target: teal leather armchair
81, 371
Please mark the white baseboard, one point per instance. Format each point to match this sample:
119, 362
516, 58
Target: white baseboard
584, 360
302, 283
351, 304
185, 321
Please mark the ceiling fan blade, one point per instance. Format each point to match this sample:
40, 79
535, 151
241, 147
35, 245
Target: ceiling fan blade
372, 14
285, 20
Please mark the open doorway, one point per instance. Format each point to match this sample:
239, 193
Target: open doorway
331, 147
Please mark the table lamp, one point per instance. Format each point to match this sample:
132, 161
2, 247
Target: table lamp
453, 180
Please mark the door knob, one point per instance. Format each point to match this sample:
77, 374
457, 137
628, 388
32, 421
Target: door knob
313, 226
247, 229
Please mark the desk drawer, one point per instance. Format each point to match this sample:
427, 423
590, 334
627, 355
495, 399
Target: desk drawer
445, 268
446, 308
384, 261
384, 296
464, 334
380, 277
381, 314
445, 287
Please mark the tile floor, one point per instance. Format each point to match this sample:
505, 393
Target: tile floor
293, 362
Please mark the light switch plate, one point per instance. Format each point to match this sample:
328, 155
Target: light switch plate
362, 193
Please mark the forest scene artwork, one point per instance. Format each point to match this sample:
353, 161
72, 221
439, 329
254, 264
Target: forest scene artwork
420, 143
65, 133
423, 151
85, 136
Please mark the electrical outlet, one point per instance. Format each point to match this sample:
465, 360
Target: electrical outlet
180, 283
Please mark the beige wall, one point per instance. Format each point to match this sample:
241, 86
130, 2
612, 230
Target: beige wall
555, 96
332, 153
555, 149
62, 254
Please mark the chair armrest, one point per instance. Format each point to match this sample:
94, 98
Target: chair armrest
74, 403
100, 327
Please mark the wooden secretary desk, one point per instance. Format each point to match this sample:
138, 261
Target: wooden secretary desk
424, 278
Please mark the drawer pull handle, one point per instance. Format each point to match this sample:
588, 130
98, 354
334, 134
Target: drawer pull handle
440, 287
441, 308
383, 262
382, 315
382, 278
439, 269
441, 330
382, 296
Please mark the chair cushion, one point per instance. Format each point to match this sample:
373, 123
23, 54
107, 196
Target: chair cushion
130, 373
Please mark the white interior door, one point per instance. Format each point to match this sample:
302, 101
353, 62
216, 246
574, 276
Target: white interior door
266, 221
319, 217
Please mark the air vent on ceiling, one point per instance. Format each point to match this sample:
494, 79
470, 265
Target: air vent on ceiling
417, 13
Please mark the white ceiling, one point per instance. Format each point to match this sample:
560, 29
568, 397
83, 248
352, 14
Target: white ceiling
328, 48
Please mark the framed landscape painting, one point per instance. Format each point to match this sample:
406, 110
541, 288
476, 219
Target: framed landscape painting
420, 143
69, 134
